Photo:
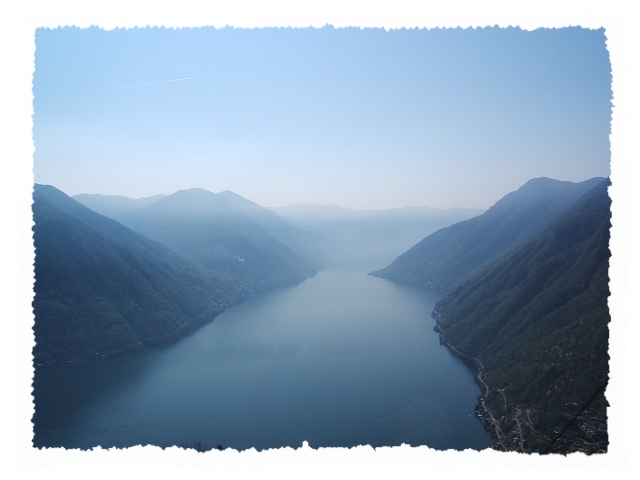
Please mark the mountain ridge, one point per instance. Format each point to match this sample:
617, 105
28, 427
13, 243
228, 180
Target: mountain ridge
536, 321
452, 255
224, 232
110, 205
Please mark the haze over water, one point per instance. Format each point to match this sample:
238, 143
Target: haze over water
341, 359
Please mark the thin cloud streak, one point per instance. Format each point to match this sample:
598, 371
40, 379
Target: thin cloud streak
153, 83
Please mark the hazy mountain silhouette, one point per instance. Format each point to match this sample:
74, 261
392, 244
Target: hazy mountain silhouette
225, 232
452, 255
309, 213
368, 239
538, 322
114, 205
101, 288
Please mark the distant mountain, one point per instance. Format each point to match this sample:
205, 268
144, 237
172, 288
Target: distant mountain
224, 232
537, 323
100, 288
309, 213
114, 205
305, 212
452, 255
368, 239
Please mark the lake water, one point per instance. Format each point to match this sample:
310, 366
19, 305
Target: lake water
342, 359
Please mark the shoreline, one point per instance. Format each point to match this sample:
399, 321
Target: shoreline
518, 416
482, 413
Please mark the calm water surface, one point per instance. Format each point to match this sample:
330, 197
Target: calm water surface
342, 359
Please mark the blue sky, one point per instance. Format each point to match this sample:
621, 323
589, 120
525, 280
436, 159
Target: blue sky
360, 118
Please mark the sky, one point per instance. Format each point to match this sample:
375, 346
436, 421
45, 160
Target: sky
362, 118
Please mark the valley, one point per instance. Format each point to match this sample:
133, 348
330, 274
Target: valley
518, 291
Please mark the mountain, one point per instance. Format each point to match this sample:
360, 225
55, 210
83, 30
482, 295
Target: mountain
114, 205
368, 239
100, 288
454, 254
536, 323
309, 213
224, 232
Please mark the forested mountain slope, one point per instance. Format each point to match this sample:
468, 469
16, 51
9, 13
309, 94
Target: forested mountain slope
537, 323
452, 255
100, 288
224, 232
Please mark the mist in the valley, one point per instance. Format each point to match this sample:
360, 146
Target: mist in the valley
366, 240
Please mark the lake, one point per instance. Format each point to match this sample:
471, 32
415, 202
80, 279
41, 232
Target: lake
342, 359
